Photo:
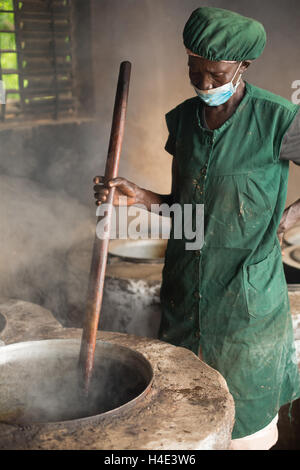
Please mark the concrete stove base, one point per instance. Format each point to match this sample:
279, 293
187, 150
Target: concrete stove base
188, 407
20, 320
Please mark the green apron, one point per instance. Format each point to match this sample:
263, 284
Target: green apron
231, 296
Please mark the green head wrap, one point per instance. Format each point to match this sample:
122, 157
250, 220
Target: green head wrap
217, 34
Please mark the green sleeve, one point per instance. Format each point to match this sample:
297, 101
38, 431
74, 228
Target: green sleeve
284, 124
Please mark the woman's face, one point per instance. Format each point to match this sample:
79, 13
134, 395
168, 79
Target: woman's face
206, 74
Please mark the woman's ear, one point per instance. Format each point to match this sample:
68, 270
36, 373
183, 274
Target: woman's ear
245, 65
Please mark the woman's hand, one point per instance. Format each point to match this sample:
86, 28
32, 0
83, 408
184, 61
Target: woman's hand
124, 188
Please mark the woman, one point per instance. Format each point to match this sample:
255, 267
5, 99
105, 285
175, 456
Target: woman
230, 147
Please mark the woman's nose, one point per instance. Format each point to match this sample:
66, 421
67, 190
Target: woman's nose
201, 82
204, 84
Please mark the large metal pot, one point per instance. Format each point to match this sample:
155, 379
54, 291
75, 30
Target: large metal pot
137, 251
40, 381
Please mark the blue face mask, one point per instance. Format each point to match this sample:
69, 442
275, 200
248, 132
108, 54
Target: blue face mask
219, 95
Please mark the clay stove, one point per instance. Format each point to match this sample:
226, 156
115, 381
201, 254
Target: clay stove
154, 395
131, 289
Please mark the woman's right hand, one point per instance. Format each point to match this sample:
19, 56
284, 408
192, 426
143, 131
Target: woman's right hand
123, 188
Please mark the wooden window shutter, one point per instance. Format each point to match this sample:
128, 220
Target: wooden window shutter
45, 65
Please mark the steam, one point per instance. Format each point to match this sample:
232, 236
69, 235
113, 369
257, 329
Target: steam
45, 256
38, 228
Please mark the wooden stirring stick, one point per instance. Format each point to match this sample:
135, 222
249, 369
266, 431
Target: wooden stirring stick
100, 249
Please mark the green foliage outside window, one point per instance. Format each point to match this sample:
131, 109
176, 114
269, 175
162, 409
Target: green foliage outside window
8, 42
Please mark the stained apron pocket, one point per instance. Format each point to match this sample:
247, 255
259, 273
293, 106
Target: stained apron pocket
265, 284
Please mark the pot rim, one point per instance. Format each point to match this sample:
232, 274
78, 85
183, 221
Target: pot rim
114, 411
